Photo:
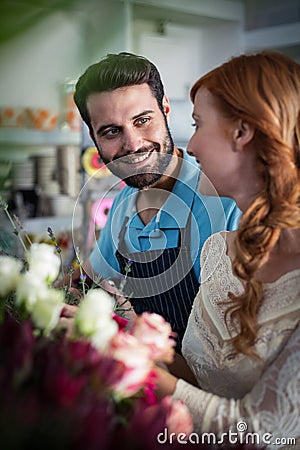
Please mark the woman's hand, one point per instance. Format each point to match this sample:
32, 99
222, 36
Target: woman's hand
165, 382
66, 321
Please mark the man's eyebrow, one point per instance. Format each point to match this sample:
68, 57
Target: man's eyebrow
148, 111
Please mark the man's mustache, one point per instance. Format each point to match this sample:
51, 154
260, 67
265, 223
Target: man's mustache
142, 150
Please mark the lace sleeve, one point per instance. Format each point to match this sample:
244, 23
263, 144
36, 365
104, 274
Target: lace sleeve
271, 409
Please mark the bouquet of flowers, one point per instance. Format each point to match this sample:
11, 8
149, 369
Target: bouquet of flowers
93, 388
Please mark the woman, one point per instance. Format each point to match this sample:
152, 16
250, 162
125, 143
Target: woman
243, 337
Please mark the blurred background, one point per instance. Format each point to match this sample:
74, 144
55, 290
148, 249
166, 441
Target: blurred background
50, 174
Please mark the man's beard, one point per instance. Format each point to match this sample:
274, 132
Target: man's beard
143, 177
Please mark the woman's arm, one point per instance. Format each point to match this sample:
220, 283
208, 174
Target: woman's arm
167, 379
271, 407
180, 369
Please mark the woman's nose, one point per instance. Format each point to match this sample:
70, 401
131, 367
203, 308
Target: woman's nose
189, 151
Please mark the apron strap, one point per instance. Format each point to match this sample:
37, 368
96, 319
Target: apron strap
121, 236
184, 236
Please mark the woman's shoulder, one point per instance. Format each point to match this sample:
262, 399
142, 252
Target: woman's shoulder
219, 244
216, 256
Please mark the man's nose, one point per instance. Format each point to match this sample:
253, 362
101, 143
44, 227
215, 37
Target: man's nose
131, 141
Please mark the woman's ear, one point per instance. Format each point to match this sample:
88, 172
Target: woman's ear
167, 107
242, 134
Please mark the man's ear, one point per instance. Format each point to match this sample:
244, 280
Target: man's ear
167, 107
242, 134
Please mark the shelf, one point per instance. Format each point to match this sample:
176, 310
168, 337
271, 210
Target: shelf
177, 10
27, 137
37, 225
273, 37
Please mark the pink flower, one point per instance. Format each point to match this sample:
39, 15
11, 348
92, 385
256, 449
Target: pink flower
179, 419
152, 330
138, 365
149, 422
150, 395
146, 423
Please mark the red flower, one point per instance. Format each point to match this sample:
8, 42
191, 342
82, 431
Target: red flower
121, 321
93, 426
16, 344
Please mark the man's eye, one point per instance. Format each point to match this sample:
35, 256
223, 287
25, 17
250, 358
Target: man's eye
111, 132
194, 125
142, 120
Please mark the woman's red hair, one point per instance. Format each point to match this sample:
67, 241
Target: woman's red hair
263, 90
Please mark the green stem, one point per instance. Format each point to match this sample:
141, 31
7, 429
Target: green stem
16, 231
20, 225
62, 268
82, 281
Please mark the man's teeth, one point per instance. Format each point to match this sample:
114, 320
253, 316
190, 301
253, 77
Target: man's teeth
140, 158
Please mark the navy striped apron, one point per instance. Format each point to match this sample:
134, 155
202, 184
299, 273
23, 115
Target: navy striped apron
171, 292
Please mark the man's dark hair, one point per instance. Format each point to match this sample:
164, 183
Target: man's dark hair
115, 71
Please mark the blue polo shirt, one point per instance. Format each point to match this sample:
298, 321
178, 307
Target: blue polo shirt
208, 215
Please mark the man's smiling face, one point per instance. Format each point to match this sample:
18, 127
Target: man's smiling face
131, 133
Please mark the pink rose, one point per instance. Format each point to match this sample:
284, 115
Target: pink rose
179, 419
136, 362
152, 330
145, 424
149, 422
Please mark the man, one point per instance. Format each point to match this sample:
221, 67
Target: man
158, 222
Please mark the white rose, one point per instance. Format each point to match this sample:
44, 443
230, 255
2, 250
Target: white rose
10, 269
94, 317
99, 301
30, 289
46, 311
102, 337
44, 261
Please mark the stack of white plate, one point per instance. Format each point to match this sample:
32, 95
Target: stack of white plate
46, 171
23, 175
68, 164
61, 205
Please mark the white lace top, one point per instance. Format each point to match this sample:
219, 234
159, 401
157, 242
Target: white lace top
264, 393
